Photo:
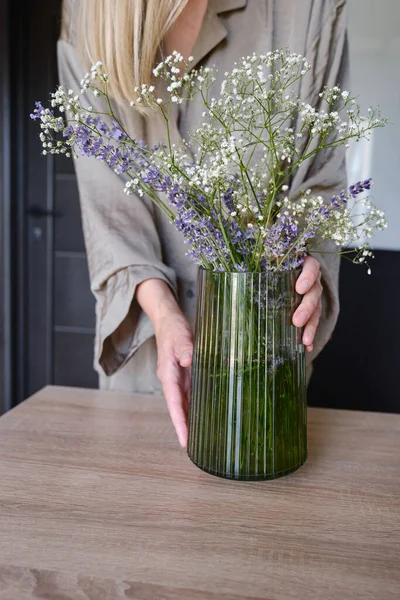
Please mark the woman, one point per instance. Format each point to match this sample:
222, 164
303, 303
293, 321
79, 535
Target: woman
144, 285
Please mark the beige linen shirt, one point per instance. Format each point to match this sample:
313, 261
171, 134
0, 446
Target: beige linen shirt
129, 240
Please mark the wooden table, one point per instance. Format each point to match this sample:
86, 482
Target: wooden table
97, 501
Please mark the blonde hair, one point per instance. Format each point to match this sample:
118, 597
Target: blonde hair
126, 36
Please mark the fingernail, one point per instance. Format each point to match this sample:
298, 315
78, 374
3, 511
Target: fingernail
303, 317
186, 354
182, 440
308, 338
304, 286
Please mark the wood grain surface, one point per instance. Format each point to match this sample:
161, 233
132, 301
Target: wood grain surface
97, 501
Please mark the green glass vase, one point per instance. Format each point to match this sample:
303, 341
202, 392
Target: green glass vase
248, 406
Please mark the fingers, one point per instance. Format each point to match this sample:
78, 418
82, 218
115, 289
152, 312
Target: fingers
311, 328
185, 356
308, 276
182, 340
176, 400
308, 313
175, 350
308, 305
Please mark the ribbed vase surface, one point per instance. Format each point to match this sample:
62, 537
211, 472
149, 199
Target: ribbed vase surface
248, 417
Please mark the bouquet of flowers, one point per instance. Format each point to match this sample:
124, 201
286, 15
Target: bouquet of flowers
225, 188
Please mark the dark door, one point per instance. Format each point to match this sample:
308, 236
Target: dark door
59, 313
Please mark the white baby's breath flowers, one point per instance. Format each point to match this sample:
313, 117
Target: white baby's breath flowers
228, 187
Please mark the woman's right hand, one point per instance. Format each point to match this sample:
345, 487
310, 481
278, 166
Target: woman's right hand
174, 347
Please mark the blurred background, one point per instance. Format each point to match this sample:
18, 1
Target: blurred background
46, 307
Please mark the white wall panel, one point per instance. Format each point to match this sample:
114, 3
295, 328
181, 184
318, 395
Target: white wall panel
374, 37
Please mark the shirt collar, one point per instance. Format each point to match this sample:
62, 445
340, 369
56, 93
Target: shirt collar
213, 31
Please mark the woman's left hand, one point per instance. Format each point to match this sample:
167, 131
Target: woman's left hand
308, 313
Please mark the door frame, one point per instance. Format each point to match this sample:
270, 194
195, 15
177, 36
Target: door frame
13, 118
5, 212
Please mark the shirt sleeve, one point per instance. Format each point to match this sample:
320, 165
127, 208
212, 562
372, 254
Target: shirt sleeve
121, 238
326, 173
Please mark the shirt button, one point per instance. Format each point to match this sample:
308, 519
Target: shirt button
189, 294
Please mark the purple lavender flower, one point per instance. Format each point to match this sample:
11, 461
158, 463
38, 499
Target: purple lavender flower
116, 132
339, 200
325, 212
228, 199
360, 187
241, 268
39, 111
354, 190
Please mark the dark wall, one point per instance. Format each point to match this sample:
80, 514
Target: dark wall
360, 367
